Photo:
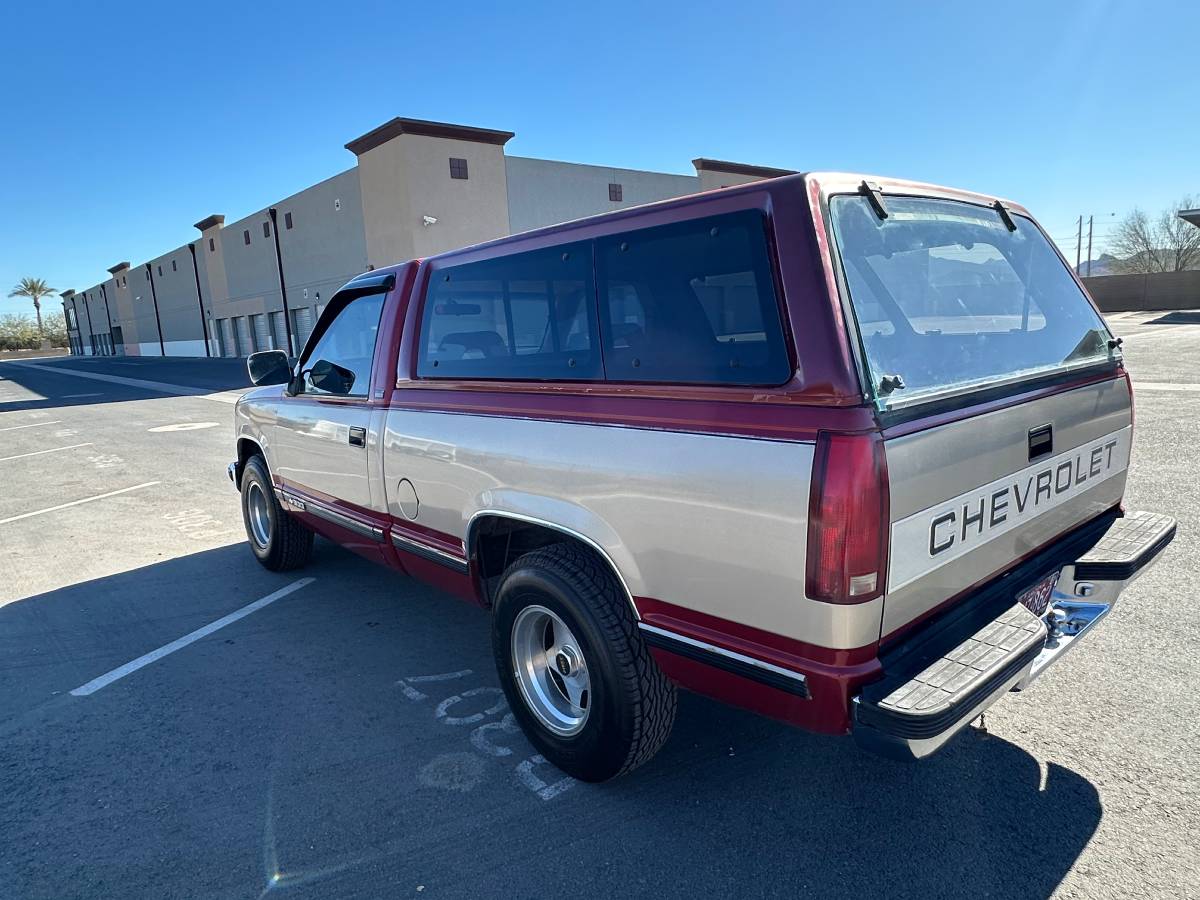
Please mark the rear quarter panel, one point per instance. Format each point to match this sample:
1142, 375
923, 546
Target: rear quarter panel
713, 523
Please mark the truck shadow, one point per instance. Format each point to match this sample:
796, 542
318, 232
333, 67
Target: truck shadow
231, 755
799, 813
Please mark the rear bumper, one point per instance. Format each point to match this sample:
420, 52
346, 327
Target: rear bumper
941, 678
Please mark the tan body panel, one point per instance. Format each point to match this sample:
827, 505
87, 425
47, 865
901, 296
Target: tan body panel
312, 448
713, 523
930, 467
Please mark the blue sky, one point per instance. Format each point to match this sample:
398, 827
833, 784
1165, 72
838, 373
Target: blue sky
124, 124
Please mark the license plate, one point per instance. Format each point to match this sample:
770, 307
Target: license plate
1036, 599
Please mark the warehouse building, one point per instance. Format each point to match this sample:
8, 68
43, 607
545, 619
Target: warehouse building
418, 188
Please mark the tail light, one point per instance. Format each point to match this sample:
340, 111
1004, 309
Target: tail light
1132, 409
1129, 384
848, 519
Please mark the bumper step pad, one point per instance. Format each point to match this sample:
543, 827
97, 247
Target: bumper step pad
939, 678
1128, 545
924, 704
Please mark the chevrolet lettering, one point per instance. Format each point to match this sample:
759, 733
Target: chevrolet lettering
849, 452
955, 527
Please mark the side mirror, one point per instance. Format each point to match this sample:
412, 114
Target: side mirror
330, 377
269, 367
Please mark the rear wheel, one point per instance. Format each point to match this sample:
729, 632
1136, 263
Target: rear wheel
576, 672
279, 541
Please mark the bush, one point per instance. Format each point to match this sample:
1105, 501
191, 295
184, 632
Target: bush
55, 325
19, 332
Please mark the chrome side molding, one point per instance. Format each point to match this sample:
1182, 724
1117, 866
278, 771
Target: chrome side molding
431, 554
727, 660
336, 517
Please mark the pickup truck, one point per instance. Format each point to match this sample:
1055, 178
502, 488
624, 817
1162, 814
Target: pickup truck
845, 451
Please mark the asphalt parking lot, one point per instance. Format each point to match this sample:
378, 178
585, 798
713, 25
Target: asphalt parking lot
349, 738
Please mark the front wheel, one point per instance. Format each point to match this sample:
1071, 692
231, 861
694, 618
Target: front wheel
279, 541
577, 674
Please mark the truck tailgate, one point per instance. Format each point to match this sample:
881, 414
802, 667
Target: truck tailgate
971, 498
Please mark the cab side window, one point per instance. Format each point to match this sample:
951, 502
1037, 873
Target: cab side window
527, 316
340, 363
691, 303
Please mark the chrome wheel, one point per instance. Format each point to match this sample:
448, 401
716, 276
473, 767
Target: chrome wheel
550, 670
258, 514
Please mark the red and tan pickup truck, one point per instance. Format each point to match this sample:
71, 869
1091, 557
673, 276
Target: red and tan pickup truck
847, 452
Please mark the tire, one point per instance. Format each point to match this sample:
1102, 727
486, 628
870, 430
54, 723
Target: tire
279, 541
625, 714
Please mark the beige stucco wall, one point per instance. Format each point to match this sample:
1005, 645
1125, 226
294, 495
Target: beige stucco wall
370, 215
710, 180
407, 178
545, 192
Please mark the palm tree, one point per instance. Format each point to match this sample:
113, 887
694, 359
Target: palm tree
35, 289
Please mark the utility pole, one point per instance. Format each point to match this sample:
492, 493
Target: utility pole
1091, 225
1079, 245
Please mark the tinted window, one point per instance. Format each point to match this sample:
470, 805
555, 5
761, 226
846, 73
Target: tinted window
691, 303
340, 363
527, 316
947, 296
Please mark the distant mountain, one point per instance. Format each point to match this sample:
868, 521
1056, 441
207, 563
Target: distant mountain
1107, 264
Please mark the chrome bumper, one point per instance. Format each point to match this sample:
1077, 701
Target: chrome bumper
936, 684
234, 473
1069, 618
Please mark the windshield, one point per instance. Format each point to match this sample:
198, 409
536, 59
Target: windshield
947, 297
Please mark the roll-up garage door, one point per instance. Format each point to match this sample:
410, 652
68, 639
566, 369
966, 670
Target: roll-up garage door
228, 344
302, 319
279, 331
243, 336
262, 332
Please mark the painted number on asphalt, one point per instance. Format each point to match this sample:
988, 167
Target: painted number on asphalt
195, 523
486, 737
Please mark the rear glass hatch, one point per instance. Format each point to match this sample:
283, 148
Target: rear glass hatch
954, 303
951, 297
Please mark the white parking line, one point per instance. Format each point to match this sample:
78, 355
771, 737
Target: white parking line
1163, 386
120, 672
32, 425
38, 512
40, 452
1164, 331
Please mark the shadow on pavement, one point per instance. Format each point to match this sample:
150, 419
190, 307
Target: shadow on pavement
54, 383
282, 751
1185, 317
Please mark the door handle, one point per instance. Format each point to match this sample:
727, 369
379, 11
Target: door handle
358, 436
1041, 441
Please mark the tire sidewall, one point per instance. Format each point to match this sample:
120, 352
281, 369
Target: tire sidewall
256, 471
600, 748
